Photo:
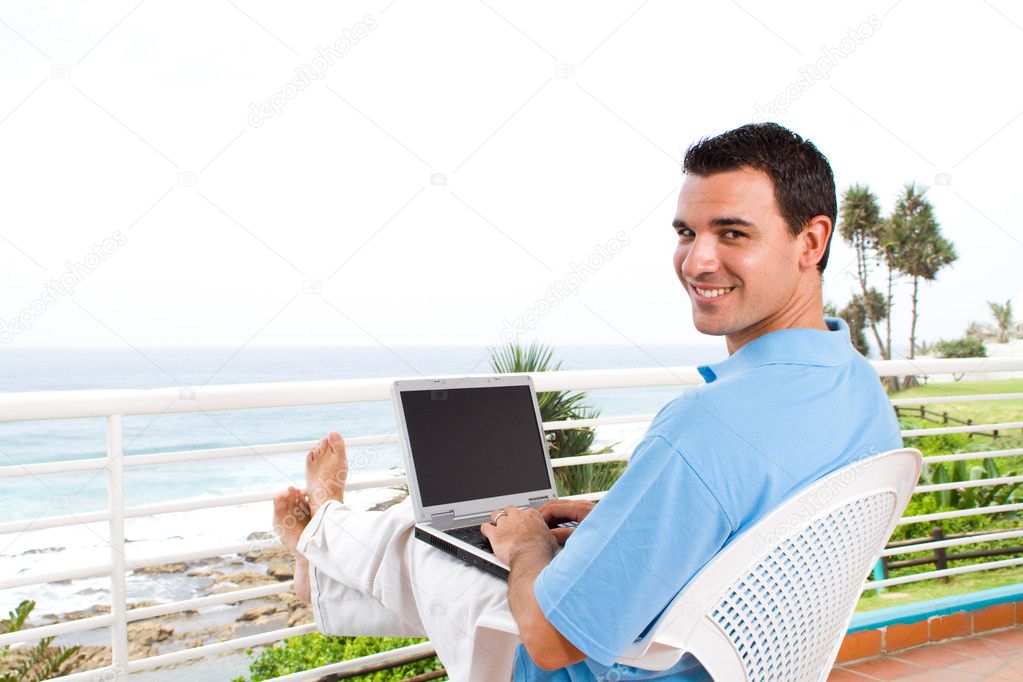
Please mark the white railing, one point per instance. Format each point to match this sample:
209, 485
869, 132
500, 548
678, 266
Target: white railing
115, 404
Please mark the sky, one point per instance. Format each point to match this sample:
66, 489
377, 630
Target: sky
234, 173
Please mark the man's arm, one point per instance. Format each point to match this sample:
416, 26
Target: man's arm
522, 540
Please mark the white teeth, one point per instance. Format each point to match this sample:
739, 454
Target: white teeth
713, 293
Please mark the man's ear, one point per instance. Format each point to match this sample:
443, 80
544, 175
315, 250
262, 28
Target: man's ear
814, 238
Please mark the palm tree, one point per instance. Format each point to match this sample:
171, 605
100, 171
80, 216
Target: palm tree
1003, 320
861, 225
513, 358
920, 250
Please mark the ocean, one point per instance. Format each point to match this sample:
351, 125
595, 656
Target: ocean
32, 497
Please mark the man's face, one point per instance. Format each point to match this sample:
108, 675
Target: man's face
736, 258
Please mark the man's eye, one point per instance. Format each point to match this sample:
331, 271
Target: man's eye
732, 234
685, 233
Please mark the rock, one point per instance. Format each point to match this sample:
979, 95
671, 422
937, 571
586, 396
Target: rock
97, 610
266, 556
260, 535
300, 616
146, 633
387, 504
243, 579
281, 570
257, 612
178, 567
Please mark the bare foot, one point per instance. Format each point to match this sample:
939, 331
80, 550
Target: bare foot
326, 468
291, 515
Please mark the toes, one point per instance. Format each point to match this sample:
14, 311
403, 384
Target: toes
336, 441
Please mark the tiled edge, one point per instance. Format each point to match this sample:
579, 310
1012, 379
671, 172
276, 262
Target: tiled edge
876, 633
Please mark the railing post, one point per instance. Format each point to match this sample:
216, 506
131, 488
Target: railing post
880, 573
118, 593
940, 559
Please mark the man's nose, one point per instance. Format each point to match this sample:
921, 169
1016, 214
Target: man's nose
702, 257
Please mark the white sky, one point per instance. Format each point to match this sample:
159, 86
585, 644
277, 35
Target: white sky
135, 117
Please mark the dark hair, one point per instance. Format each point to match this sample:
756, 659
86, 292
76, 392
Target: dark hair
804, 185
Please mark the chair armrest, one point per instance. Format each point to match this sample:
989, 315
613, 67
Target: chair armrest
501, 622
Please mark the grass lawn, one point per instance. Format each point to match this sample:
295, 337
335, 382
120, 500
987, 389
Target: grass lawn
982, 412
932, 589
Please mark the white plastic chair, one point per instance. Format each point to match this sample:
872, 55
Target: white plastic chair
775, 602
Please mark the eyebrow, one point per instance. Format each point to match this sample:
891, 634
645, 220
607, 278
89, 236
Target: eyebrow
727, 221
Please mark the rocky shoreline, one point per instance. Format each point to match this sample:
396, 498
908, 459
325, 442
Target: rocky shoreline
190, 629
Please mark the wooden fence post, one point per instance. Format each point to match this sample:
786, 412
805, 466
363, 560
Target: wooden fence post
940, 560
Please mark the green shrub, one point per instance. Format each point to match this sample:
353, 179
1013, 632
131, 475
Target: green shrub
29, 664
966, 347
313, 650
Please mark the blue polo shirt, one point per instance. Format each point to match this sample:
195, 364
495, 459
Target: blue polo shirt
786, 409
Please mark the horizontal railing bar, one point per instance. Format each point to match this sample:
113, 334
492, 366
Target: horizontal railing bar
577, 460
958, 513
979, 483
972, 428
930, 575
958, 456
141, 613
384, 657
55, 629
179, 506
953, 542
209, 600
924, 366
44, 522
103, 674
90, 571
153, 459
218, 648
596, 421
899, 402
202, 553
134, 564
58, 467
23, 406
248, 450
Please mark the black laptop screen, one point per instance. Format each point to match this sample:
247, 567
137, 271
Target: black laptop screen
473, 443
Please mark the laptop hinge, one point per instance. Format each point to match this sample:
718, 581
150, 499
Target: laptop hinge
536, 500
442, 518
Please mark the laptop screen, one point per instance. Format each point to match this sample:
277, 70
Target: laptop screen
474, 443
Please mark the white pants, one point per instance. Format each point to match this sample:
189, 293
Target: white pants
370, 576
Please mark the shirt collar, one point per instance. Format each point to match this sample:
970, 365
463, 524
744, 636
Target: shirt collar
814, 347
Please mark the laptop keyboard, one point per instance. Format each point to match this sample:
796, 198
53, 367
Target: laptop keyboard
472, 536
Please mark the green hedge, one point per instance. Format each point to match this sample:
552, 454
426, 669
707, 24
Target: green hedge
313, 650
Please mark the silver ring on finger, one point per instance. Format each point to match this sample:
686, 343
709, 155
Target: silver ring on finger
498, 515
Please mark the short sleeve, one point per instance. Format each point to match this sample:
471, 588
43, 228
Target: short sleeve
653, 531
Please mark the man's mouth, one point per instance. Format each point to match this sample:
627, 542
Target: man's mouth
711, 293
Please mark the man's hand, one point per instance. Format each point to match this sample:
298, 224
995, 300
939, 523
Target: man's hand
559, 511
522, 539
517, 531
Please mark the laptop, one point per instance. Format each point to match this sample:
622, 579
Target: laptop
471, 445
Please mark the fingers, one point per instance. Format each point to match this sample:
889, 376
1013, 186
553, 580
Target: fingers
557, 511
561, 534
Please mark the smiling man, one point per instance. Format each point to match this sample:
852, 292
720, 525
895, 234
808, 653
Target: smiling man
792, 402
